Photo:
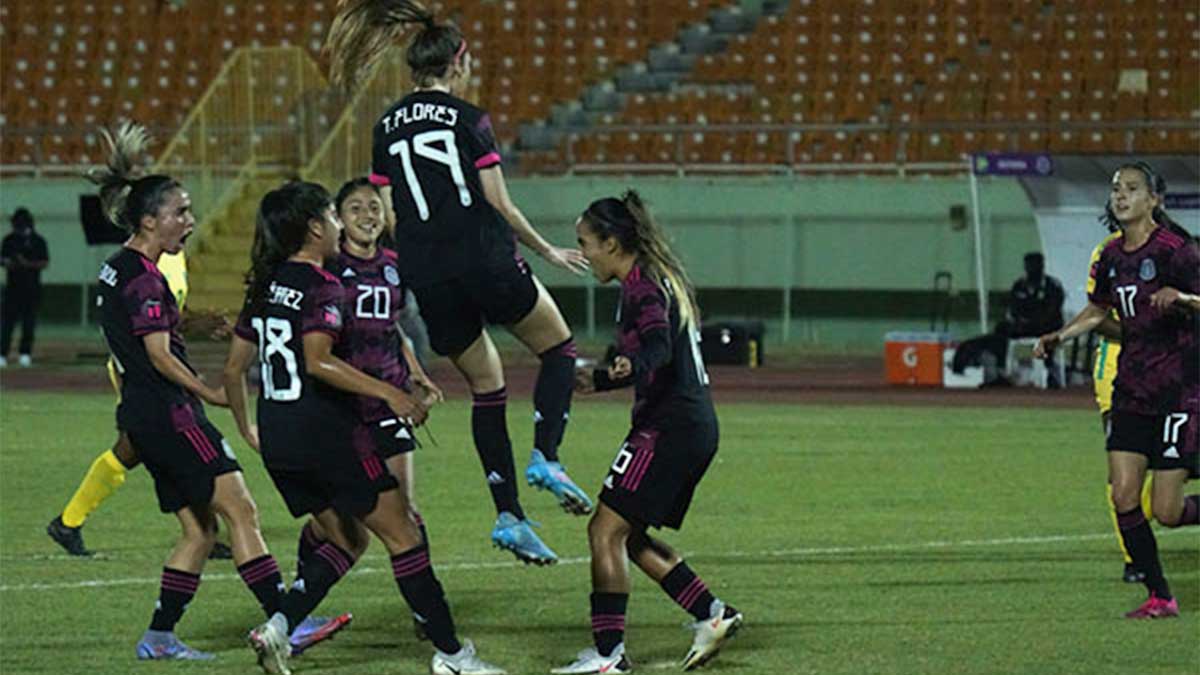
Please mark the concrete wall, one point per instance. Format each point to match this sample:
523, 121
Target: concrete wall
859, 254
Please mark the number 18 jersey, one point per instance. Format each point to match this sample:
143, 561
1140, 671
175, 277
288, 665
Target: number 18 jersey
295, 410
430, 147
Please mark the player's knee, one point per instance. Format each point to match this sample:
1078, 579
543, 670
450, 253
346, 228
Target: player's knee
1126, 496
604, 534
240, 510
1168, 515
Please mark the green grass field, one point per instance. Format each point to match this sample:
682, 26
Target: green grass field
856, 540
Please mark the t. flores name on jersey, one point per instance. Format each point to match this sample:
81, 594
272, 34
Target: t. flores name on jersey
420, 112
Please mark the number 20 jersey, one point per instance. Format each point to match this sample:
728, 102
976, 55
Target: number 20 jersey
298, 415
430, 147
1159, 360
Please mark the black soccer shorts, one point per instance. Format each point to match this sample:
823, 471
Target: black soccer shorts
456, 310
654, 476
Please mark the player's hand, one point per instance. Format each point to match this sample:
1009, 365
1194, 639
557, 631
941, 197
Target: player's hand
1046, 345
621, 368
214, 396
1164, 297
428, 393
584, 382
251, 437
569, 259
407, 408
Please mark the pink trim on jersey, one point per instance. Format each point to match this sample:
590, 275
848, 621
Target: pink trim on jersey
326, 274
378, 179
490, 159
1168, 237
148, 331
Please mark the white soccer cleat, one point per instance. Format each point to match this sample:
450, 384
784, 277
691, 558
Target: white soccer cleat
271, 644
590, 661
465, 662
711, 634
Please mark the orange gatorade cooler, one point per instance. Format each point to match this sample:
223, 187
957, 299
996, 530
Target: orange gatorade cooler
914, 357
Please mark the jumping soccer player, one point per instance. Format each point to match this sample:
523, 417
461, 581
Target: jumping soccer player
437, 162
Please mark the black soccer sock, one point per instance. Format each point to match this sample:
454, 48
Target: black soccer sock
175, 592
262, 577
552, 397
425, 597
489, 428
328, 564
306, 547
1143, 549
688, 591
1191, 511
608, 620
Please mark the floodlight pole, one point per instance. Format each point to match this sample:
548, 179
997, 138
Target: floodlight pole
981, 290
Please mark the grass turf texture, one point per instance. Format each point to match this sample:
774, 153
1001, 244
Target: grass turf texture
856, 540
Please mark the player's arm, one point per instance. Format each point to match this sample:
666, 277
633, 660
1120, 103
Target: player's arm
1110, 328
241, 355
495, 190
320, 362
158, 348
654, 351
1087, 319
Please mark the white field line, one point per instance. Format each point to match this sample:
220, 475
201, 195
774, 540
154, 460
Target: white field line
728, 555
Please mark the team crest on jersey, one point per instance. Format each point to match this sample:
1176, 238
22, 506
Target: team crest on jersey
392, 276
1147, 271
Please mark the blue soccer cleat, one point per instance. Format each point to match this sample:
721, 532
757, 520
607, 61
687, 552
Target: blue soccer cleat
164, 646
518, 536
551, 476
315, 630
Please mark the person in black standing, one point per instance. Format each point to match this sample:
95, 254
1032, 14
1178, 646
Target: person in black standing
24, 255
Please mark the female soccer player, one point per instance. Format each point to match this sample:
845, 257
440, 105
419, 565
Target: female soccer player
671, 444
293, 316
437, 162
1149, 275
372, 342
160, 415
107, 472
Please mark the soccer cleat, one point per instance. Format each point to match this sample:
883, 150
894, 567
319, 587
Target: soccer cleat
220, 551
314, 630
270, 642
70, 538
1155, 608
518, 536
465, 662
1133, 575
711, 634
551, 476
590, 661
164, 646
25, 360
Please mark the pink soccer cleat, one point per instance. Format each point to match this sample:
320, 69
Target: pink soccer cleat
1155, 608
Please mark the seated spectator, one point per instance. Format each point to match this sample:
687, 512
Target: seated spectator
1034, 308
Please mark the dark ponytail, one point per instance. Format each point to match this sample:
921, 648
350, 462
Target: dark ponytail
1158, 187
280, 231
363, 30
628, 221
124, 196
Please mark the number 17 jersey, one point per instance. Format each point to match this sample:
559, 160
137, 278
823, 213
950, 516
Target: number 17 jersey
430, 147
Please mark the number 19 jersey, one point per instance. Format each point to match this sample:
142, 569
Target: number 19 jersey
298, 415
430, 147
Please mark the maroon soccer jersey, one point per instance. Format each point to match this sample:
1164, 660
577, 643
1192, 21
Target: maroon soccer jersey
430, 147
373, 299
135, 301
1159, 361
301, 298
671, 384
